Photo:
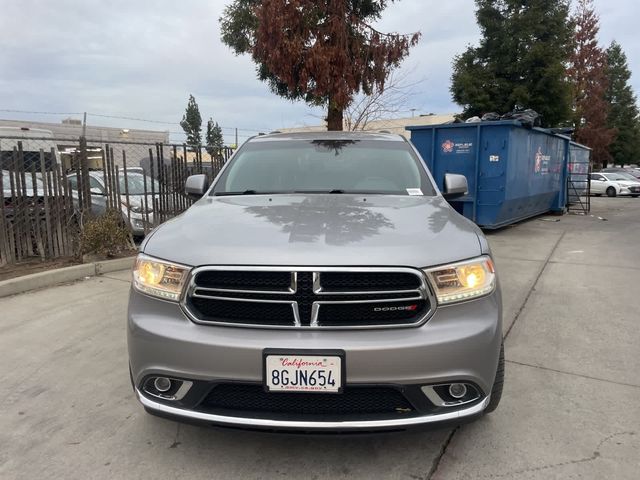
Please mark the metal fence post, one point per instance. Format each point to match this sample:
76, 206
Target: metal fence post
85, 185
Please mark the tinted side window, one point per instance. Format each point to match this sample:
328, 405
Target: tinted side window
93, 183
73, 183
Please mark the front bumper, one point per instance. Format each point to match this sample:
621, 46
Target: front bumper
629, 191
171, 412
460, 343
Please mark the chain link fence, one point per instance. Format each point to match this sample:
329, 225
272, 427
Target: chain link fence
52, 186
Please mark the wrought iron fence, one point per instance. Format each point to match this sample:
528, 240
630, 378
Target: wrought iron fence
51, 186
579, 180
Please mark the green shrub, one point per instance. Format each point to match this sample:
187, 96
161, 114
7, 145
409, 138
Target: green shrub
105, 235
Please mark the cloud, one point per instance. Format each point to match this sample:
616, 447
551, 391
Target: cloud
142, 59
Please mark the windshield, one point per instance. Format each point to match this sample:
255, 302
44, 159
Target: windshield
627, 176
620, 177
30, 160
6, 181
135, 182
325, 166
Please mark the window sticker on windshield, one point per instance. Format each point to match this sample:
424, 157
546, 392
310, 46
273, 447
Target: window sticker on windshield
414, 191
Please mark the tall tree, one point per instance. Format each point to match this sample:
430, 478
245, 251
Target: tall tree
215, 140
520, 62
321, 51
192, 123
623, 114
588, 76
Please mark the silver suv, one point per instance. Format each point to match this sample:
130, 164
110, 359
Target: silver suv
322, 282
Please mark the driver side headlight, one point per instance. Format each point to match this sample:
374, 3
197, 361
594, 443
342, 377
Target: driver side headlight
463, 281
159, 278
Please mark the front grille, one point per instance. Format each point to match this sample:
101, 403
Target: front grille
251, 398
368, 282
334, 315
251, 313
243, 280
307, 298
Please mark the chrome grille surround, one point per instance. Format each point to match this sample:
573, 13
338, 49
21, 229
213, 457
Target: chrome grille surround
423, 293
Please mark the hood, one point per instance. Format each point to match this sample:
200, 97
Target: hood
627, 183
317, 230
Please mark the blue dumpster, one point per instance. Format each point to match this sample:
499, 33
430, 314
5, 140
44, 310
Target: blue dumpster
513, 172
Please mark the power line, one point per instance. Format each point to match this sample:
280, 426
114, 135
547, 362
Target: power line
167, 123
41, 113
122, 117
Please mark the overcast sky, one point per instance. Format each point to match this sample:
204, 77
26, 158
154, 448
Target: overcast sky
143, 58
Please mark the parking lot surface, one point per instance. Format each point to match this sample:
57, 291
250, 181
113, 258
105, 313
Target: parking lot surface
570, 409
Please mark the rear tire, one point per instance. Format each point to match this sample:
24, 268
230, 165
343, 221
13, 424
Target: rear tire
498, 383
611, 192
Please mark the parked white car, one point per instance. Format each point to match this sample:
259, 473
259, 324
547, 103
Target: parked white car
614, 184
33, 140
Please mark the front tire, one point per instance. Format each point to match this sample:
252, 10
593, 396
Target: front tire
611, 192
498, 383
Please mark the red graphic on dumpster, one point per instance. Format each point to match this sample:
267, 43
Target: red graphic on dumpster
448, 146
542, 162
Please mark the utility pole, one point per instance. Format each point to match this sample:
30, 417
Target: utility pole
84, 125
236, 137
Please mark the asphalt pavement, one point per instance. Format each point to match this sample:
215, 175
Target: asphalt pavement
570, 409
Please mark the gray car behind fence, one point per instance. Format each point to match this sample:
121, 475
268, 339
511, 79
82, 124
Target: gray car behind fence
50, 186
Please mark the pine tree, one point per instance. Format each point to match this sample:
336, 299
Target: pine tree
624, 115
322, 52
520, 62
588, 76
192, 123
215, 140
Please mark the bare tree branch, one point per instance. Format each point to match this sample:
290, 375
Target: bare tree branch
396, 97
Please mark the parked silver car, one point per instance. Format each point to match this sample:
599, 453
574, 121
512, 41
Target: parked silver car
137, 211
322, 282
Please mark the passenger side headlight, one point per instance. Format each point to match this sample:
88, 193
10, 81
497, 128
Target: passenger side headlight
463, 281
159, 278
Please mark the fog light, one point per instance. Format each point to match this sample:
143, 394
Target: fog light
457, 390
162, 384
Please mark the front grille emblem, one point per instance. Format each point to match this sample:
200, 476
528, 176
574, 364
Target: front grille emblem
399, 308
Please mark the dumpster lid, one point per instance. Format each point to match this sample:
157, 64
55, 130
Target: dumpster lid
515, 123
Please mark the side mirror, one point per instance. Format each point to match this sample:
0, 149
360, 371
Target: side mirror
96, 191
455, 186
196, 185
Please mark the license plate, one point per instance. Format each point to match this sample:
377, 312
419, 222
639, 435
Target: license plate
292, 372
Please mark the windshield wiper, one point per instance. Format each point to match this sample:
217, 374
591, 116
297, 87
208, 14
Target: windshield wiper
245, 192
334, 191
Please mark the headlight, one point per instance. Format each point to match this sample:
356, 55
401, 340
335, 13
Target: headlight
463, 281
159, 278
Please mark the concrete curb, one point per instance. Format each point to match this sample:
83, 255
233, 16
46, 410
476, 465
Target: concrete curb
38, 280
